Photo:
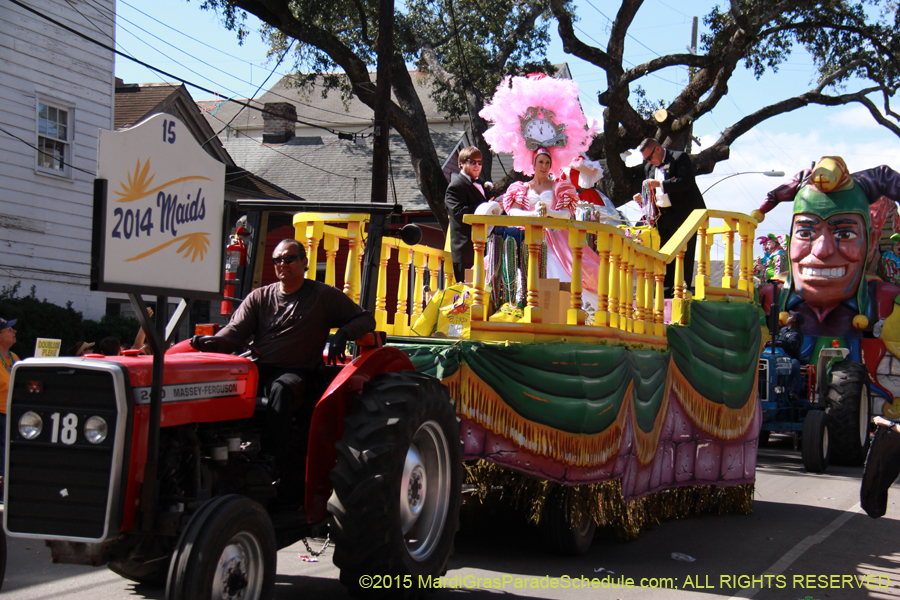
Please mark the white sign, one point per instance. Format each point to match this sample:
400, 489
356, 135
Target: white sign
161, 224
46, 347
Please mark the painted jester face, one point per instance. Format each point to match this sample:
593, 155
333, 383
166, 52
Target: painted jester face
827, 257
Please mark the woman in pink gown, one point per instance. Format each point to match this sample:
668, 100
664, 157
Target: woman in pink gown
542, 196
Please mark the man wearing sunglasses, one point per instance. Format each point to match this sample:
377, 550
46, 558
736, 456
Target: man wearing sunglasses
465, 192
289, 322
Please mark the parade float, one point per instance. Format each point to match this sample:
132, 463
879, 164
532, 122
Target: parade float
851, 318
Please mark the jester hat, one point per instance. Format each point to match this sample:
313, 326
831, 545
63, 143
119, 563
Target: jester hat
778, 239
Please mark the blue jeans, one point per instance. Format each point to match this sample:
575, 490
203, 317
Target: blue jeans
796, 385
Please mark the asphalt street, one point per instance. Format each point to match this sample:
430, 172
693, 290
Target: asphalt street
807, 539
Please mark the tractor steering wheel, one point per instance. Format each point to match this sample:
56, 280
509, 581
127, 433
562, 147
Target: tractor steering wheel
224, 345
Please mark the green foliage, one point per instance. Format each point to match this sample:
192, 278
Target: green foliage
468, 36
646, 107
835, 33
122, 328
42, 319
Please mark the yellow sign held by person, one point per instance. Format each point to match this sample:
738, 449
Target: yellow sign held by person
44, 347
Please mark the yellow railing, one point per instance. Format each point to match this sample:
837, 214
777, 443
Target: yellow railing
630, 304
325, 231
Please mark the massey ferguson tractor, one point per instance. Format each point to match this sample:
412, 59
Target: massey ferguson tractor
177, 493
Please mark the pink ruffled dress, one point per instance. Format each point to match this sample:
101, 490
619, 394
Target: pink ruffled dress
559, 255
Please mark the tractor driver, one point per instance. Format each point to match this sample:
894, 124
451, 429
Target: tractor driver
289, 322
791, 339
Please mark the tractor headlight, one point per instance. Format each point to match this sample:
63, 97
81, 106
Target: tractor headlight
30, 425
96, 430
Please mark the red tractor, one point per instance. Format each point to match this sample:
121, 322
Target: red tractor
179, 493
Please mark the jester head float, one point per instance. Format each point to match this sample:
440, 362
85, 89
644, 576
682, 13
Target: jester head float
836, 220
831, 232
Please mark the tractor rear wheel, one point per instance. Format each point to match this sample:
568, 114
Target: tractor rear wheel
397, 485
847, 405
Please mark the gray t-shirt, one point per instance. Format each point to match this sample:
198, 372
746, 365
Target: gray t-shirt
290, 330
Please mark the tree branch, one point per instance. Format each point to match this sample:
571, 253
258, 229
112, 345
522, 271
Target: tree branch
526, 24
574, 46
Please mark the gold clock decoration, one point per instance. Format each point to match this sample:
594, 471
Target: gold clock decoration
539, 129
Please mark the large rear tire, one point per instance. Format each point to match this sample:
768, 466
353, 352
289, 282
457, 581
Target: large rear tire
397, 485
227, 551
815, 446
847, 405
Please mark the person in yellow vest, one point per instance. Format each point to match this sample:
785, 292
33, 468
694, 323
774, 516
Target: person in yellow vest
7, 339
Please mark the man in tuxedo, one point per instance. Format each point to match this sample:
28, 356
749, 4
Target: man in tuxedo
670, 174
465, 192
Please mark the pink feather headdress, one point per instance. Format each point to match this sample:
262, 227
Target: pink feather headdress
513, 98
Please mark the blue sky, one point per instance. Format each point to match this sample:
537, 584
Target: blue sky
786, 143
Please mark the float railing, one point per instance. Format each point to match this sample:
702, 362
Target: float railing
324, 231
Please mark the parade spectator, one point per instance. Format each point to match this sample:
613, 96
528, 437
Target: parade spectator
140, 340
8, 358
79, 348
109, 346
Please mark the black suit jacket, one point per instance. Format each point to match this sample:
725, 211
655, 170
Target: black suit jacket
681, 187
462, 198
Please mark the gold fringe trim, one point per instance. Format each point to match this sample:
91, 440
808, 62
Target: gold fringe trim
480, 403
645, 444
603, 501
717, 419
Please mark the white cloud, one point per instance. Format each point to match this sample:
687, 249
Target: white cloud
856, 116
789, 153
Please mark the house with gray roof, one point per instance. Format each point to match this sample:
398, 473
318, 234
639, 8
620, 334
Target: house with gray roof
321, 147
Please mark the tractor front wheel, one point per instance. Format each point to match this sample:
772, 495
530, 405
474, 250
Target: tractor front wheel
227, 550
815, 444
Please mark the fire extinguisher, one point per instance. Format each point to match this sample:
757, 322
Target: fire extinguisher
235, 256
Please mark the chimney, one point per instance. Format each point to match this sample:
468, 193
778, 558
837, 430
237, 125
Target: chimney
279, 129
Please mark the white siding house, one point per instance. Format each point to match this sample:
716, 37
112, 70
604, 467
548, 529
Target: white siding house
56, 92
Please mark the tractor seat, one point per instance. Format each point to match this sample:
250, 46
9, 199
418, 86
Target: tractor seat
325, 375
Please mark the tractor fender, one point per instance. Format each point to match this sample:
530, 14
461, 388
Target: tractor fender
327, 426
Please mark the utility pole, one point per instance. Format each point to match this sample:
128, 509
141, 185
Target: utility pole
383, 101
693, 50
380, 151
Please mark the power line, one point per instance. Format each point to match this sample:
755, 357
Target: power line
230, 121
143, 64
289, 76
29, 144
627, 62
591, 4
